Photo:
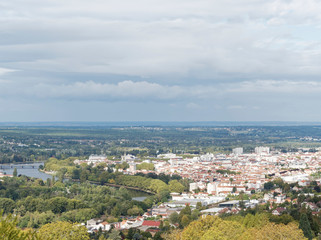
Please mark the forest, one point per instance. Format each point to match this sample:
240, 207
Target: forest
35, 143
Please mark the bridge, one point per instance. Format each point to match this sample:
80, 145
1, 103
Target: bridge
26, 166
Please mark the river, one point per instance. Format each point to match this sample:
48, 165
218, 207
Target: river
137, 195
30, 170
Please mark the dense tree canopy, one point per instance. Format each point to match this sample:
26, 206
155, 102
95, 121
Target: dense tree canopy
242, 229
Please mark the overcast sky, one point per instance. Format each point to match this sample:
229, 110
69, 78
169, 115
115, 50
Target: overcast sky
160, 60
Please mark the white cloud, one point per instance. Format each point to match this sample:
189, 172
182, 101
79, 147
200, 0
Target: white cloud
181, 53
4, 71
157, 38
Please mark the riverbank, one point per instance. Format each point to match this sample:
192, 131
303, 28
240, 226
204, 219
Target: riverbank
53, 173
127, 187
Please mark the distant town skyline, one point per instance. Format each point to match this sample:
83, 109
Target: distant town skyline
160, 60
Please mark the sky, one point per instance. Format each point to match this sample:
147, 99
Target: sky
152, 60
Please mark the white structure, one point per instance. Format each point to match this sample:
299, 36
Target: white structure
175, 161
132, 167
96, 224
207, 157
238, 151
212, 188
93, 159
127, 158
193, 186
295, 178
167, 155
97, 158
262, 150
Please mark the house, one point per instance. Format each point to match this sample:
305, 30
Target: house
311, 205
280, 198
95, 224
104, 226
147, 215
161, 210
278, 211
268, 196
135, 222
150, 224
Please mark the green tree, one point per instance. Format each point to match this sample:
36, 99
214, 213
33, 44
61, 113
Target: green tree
114, 235
195, 214
305, 226
15, 172
7, 205
186, 211
135, 210
158, 236
75, 173
147, 166
174, 218
61, 174
57, 204
185, 220
176, 186
9, 231
63, 231
268, 185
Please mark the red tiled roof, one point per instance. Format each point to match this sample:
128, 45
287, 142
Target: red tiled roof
151, 223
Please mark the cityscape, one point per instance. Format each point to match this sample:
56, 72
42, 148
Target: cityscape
160, 120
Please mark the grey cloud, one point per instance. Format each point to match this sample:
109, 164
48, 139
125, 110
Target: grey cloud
174, 37
188, 58
142, 90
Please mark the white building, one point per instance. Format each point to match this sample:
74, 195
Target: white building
193, 186
262, 150
167, 155
207, 157
127, 158
238, 151
212, 188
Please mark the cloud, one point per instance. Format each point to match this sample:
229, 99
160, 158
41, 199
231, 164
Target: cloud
273, 86
4, 71
180, 39
215, 54
97, 91
144, 90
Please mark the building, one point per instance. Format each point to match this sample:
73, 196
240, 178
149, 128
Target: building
132, 167
193, 186
262, 150
128, 158
238, 151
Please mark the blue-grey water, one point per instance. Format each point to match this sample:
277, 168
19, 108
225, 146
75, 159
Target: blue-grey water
28, 171
140, 199
31, 170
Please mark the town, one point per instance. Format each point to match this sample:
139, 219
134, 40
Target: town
217, 181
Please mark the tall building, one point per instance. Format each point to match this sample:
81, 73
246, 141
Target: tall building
238, 151
262, 150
